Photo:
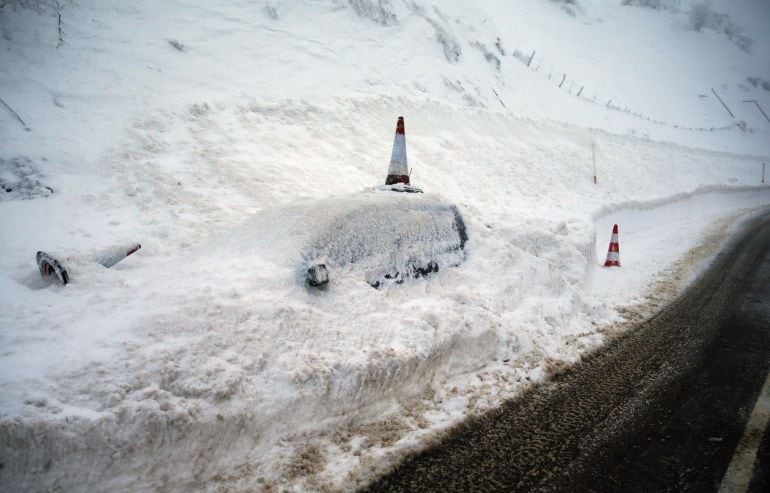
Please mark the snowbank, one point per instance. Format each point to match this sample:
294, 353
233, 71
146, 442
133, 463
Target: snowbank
202, 351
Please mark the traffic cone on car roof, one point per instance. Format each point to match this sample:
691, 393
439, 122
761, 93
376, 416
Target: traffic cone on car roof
398, 171
613, 254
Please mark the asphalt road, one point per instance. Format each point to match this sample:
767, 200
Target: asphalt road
661, 408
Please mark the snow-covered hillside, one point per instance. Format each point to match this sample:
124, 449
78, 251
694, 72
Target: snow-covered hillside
195, 127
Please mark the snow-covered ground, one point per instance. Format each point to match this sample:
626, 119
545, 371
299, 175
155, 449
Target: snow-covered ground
203, 129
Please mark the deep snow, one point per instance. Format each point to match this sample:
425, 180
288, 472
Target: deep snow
200, 130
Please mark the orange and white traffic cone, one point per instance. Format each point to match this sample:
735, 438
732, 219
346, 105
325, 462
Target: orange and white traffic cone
112, 255
398, 172
48, 264
613, 254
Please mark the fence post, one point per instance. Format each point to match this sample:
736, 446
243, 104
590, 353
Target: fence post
530, 58
763, 111
723, 103
758, 107
15, 114
562, 80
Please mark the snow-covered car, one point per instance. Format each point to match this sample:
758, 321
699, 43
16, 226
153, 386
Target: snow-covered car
386, 237
380, 237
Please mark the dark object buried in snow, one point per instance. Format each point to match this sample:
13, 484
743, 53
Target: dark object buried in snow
20, 180
317, 275
387, 238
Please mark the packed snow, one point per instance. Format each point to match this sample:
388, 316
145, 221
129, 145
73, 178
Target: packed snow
229, 137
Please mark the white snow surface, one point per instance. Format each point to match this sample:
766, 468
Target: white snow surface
223, 136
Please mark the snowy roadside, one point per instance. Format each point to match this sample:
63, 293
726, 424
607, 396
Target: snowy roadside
665, 247
354, 441
219, 362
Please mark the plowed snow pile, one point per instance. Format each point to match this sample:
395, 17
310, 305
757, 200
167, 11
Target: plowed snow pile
222, 135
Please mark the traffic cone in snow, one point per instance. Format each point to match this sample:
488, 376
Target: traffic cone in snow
613, 254
111, 256
48, 264
398, 172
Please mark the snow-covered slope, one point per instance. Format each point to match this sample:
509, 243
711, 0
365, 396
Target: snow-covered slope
189, 126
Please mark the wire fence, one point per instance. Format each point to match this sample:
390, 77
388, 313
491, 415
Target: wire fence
578, 90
